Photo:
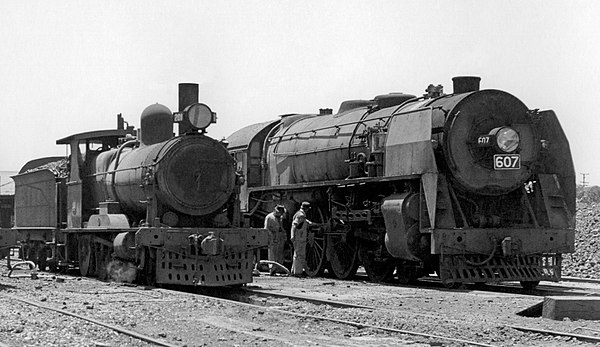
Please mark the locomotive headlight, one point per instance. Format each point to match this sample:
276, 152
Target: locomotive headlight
196, 116
507, 139
199, 115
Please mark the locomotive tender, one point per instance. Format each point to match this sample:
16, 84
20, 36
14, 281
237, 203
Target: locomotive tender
159, 207
473, 185
8, 237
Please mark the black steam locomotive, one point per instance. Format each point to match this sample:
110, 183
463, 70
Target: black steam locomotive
473, 186
157, 207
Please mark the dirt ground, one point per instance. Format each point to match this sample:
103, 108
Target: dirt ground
185, 319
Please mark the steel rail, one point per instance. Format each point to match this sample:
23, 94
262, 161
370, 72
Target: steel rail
307, 299
556, 333
507, 287
355, 324
377, 327
91, 320
334, 303
340, 304
580, 279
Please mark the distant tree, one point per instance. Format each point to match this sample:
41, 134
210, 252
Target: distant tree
587, 194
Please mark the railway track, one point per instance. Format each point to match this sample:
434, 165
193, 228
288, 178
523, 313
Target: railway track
412, 322
531, 330
113, 327
513, 290
244, 297
564, 287
339, 304
376, 327
260, 300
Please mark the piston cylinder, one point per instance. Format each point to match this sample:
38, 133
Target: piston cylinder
124, 246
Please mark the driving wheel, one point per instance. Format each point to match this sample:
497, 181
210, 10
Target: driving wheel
342, 253
84, 251
315, 245
378, 264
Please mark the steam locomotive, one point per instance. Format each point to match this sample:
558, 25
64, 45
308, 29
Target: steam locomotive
158, 208
472, 186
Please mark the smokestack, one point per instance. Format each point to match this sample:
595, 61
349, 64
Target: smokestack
325, 111
188, 94
465, 84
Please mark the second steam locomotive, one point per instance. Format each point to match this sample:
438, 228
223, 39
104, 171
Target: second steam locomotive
473, 185
161, 208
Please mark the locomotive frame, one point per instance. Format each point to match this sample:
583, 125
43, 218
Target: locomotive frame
151, 208
409, 184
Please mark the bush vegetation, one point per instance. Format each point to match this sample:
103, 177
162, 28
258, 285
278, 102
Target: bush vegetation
588, 194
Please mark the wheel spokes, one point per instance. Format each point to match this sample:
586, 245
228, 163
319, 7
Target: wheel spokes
315, 246
343, 256
84, 254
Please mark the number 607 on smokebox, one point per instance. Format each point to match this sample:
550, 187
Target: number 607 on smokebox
507, 161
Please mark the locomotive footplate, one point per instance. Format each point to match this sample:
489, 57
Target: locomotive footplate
506, 242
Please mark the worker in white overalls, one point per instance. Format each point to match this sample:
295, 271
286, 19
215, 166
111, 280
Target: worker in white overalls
298, 236
276, 237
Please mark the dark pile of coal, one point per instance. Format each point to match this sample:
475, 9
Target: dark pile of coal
585, 262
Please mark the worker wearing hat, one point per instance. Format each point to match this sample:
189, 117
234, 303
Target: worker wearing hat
277, 237
299, 232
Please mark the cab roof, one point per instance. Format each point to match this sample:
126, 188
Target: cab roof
114, 134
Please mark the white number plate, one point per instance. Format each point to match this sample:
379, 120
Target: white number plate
507, 161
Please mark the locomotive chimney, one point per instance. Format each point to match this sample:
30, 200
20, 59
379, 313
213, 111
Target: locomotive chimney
465, 84
188, 94
325, 111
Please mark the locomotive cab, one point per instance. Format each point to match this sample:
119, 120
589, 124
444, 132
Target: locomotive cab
84, 148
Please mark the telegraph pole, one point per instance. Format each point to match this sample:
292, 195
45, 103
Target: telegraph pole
583, 181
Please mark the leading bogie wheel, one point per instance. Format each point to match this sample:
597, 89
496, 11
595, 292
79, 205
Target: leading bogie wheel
408, 272
42, 258
84, 252
379, 265
102, 254
342, 254
450, 284
529, 285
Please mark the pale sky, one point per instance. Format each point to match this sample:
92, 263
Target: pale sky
71, 66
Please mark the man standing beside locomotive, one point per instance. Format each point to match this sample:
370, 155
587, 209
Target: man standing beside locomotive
298, 236
276, 237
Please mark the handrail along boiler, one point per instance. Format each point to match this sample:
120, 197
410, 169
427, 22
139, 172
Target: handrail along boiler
159, 207
472, 185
